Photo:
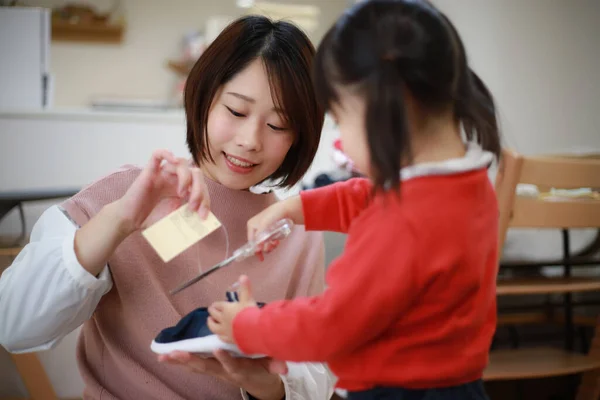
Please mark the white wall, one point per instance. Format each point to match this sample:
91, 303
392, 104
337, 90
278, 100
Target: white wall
137, 67
541, 60
539, 57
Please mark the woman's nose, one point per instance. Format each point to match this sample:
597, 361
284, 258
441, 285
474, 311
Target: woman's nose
249, 137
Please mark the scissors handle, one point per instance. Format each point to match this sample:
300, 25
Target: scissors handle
278, 231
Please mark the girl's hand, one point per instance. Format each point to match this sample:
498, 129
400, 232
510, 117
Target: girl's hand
290, 208
256, 376
222, 313
163, 186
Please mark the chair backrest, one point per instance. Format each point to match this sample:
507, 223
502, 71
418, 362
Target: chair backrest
557, 171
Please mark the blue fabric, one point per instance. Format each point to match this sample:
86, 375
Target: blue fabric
469, 391
193, 325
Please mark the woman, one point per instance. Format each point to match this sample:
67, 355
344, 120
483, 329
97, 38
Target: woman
252, 117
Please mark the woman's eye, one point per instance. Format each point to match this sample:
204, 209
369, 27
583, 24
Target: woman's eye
276, 128
235, 113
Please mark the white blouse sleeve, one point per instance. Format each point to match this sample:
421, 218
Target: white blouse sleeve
306, 381
45, 294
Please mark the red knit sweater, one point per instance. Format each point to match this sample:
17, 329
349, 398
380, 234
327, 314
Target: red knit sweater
411, 302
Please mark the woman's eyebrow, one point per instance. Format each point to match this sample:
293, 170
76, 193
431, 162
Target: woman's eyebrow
242, 97
250, 100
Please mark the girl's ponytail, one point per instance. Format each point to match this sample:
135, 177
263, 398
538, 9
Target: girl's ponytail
474, 103
476, 110
386, 126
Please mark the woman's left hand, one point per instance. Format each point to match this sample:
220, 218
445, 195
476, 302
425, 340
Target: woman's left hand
258, 377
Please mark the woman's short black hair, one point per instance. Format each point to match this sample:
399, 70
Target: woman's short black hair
287, 54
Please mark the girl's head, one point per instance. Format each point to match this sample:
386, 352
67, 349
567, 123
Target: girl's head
251, 109
391, 70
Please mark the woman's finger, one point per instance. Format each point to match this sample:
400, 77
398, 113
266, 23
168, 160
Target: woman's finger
170, 168
163, 358
231, 365
204, 365
276, 366
157, 158
184, 177
199, 198
180, 356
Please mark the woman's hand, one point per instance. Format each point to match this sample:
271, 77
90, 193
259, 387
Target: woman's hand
163, 186
258, 377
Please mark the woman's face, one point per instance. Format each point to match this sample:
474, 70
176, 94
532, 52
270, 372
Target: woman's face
246, 135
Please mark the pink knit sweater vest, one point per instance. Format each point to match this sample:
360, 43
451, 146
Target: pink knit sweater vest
113, 351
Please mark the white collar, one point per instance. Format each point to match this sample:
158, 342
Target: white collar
475, 158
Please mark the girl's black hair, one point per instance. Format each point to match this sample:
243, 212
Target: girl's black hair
384, 47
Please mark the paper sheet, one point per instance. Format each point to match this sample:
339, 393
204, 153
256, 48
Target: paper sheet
178, 231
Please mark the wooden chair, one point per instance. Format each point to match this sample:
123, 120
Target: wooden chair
11, 252
563, 172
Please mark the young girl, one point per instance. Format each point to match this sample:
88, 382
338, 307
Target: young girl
410, 307
252, 115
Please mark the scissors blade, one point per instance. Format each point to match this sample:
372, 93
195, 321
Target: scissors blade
201, 276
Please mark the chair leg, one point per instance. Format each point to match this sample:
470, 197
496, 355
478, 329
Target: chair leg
514, 336
569, 325
494, 343
520, 390
568, 300
34, 377
585, 345
589, 386
572, 382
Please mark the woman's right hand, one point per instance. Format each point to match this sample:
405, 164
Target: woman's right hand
163, 186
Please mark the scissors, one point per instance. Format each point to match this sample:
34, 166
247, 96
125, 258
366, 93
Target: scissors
278, 231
